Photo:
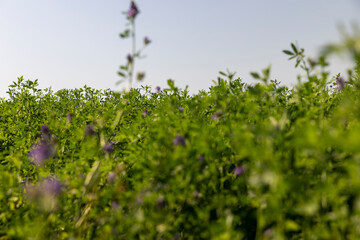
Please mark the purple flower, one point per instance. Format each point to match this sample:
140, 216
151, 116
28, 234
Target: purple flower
180, 108
89, 131
114, 205
214, 117
145, 113
129, 58
40, 152
179, 140
51, 186
45, 132
69, 117
44, 194
108, 148
158, 89
340, 83
111, 177
133, 11
201, 158
239, 170
196, 194
147, 41
160, 202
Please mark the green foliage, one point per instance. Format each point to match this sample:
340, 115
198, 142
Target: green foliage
239, 161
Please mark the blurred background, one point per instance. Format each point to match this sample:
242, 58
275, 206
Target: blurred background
67, 44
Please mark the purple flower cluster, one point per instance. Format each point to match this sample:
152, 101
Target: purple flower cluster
239, 170
146, 41
340, 83
115, 205
133, 11
108, 148
196, 194
40, 152
145, 113
51, 186
45, 132
111, 177
44, 194
129, 58
215, 117
180, 108
160, 202
179, 140
89, 131
69, 117
158, 89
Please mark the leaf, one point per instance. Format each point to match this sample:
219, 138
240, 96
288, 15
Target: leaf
288, 52
222, 73
92, 177
170, 83
125, 34
266, 72
117, 119
124, 67
120, 81
294, 48
255, 75
121, 74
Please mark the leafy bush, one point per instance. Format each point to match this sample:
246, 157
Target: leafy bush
238, 161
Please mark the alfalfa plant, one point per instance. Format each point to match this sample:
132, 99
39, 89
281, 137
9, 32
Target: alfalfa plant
126, 71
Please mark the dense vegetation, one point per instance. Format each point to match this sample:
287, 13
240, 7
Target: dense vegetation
237, 161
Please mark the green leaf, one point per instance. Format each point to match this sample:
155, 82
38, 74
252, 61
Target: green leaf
171, 83
125, 34
266, 71
288, 52
255, 75
121, 74
124, 67
120, 81
294, 48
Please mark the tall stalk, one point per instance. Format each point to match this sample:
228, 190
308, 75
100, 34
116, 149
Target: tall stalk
127, 71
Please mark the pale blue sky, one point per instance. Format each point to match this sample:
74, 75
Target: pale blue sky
70, 43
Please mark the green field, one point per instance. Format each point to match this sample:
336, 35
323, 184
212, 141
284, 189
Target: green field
236, 161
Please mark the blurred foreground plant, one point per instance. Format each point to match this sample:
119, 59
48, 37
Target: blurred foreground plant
349, 45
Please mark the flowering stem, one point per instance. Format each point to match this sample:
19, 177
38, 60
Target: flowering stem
131, 73
130, 66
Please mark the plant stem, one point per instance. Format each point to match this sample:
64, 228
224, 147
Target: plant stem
131, 73
306, 68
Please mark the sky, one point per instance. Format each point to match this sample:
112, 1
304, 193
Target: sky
69, 44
